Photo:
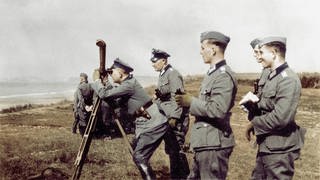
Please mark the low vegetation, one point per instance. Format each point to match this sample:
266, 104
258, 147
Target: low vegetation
40, 137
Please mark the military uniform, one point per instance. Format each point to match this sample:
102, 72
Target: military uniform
170, 81
75, 112
85, 98
151, 125
212, 138
211, 135
276, 130
262, 80
278, 136
265, 71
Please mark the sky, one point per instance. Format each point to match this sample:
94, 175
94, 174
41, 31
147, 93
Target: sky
55, 39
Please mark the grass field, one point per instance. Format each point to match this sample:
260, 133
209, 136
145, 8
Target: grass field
34, 139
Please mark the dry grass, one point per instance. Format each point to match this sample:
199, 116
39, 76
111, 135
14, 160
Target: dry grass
36, 138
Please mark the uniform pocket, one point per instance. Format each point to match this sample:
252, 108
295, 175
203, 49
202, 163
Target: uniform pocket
204, 135
164, 86
281, 142
269, 94
268, 97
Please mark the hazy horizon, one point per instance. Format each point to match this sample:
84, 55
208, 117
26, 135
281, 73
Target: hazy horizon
55, 40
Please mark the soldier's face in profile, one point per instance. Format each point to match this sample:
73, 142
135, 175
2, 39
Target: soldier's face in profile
82, 79
266, 56
256, 53
206, 52
158, 65
116, 75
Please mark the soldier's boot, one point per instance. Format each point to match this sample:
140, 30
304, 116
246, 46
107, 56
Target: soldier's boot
74, 128
184, 166
179, 168
146, 172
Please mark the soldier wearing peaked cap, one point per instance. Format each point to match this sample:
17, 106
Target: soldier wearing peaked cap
278, 136
151, 125
211, 135
170, 81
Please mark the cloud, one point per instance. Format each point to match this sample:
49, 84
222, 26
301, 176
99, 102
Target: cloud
56, 39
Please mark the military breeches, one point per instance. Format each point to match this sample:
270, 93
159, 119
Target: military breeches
147, 143
210, 164
179, 168
274, 166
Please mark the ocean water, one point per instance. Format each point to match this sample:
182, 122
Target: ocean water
21, 93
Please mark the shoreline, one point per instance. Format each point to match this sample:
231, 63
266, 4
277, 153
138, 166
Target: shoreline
12, 103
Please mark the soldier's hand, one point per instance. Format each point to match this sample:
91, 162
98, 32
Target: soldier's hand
249, 131
172, 122
89, 108
104, 79
183, 100
157, 93
96, 75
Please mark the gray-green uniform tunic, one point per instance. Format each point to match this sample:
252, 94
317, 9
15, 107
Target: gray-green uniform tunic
278, 136
83, 97
211, 135
262, 80
149, 132
170, 80
137, 97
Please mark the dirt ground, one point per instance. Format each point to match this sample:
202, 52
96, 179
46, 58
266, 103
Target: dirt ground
34, 139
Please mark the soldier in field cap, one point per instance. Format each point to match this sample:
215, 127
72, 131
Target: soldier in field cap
170, 81
83, 98
212, 138
278, 136
259, 83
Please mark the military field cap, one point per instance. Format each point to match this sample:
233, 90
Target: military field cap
214, 35
117, 63
84, 75
270, 39
158, 54
255, 42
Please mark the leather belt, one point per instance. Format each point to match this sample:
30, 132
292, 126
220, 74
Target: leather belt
147, 105
141, 112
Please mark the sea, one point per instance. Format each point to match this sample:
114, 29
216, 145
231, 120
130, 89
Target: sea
21, 93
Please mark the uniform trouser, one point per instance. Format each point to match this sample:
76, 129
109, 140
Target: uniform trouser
182, 126
210, 164
75, 124
275, 166
82, 129
179, 168
83, 121
144, 147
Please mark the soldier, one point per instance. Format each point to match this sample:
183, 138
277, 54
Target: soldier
151, 125
82, 103
170, 81
278, 136
265, 71
259, 83
211, 135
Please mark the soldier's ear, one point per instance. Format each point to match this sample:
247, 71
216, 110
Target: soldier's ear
214, 50
274, 53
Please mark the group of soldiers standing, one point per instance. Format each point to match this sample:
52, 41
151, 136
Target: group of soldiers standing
166, 115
